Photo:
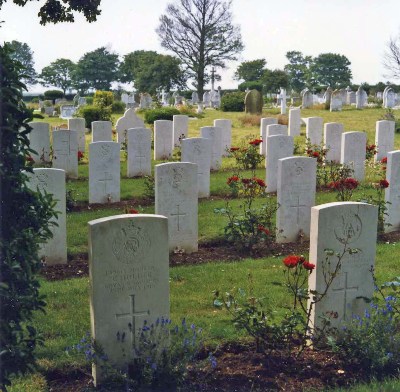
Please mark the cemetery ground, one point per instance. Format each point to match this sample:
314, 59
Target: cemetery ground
195, 278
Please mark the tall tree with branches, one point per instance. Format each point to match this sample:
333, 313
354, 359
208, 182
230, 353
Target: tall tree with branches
391, 60
202, 35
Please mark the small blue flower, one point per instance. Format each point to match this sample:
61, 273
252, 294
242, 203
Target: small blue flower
193, 326
154, 366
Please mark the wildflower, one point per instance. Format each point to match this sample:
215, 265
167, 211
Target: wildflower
293, 260
383, 184
232, 179
213, 360
308, 266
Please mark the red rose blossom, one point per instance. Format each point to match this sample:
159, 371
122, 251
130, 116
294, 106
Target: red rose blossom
383, 184
232, 179
350, 183
260, 182
30, 159
315, 154
233, 149
384, 160
133, 211
293, 260
256, 142
263, 229
308, 266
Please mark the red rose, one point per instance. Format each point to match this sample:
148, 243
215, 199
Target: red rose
350, 183
263, 229
246, 181
292, 261
255, 142
232, 179
30, 159
308, 266
232, 149
384, 160
260, 182
133, 211
383, 184
315, 154
80, 155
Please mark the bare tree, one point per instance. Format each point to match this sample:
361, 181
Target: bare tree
391, 59
201, 34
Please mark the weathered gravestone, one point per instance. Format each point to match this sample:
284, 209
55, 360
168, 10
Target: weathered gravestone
101, 131
195, 98
145, 101
336, 101
206, 99
78, 125
384, 138
49, 110
253, 102
307, 99
314, 127
104, 172
392, 193
351, 98
65, 152
294, 122
226, 135
198, 150
124, 98
129, 283
39, 139
336, 226
353, 152
263, 132
295, 197
343, 95
139, 152
278, 147
389, 98
127, 121
52, 181
215, 135
332, 141
163, 139
180, 128
273, 130
67, 111
360, 98
176, 197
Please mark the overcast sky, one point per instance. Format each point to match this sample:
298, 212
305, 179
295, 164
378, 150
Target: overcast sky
358, 29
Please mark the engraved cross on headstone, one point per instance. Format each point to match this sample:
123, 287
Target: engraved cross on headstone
297, 205
133, 314
178, 215
140, 155
107, 177
345, 289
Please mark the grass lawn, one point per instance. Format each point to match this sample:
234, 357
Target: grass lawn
67, 314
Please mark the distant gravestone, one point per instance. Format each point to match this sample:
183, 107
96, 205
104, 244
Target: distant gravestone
384, 95
332, 141
65, 152
294, 122
314, 127
52, 181
263, 132
295, 197
307, 99
336, 101
328, 97
283, 100
351, 98
128, 120
334, 226
195, 98
215, 135
129, 283
180, 128
360, 94
163, 139
78, 125
124, 98
278, 147
81, 101
176, 197
145, 101
226, 136
390, 99
101, 131
206, 99
39, 139
49, 110
104, 172
343, 95
392, 193
353, 152
384, 138
253, 102
139, 152
67, 111
198, 150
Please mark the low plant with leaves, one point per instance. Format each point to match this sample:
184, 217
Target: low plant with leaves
248, 155
316, 151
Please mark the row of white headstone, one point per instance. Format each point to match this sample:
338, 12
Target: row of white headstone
129, 273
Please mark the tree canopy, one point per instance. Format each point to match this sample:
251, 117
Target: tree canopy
59, 74
55, 11
250, 71
201, 34
151, 71
273, 80
21, 52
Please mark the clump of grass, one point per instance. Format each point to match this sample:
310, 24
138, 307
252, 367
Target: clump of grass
283, 119
250, 120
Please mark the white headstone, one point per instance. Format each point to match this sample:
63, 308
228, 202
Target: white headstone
124, 98
360, 94
139, 152
335, 226
351, 97
392, 193
78, 124
65, 152
307, 99
129, 282
353, 152
180, 128
314, 128
39, 138
390, 99
127, 121
294, 122
49, 110
332, 141
101, 131
67, 111
195, 98
198, 150
215, 135
104, 172
384, 138
52, 181
206, 99
226, 136
336, 101
263, 132
295, 196
176, 197
163, 139
283, 101
278, 147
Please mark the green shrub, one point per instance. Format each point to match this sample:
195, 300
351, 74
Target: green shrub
159, 114
103, 98
37, 115
233, 102
251, 86
118, 107
94, 113
25, 217
89, 100
53, 94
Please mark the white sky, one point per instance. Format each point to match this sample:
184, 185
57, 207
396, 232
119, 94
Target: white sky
358, 29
